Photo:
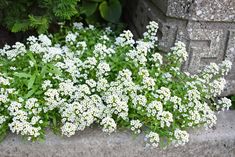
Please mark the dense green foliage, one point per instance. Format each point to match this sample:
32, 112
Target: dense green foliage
24, 15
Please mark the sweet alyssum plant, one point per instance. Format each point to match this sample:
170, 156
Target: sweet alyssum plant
91, 76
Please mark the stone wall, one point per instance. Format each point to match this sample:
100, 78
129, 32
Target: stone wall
206, 27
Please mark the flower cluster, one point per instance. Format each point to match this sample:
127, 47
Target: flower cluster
135, 126
108, 124
153, 139
179, 53
181, 137
93, 76
126, 38
224, 104
26, 117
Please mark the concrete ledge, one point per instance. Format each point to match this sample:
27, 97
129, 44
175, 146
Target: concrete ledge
219, 142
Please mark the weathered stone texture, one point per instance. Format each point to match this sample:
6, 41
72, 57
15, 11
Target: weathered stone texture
203, 10
206, 27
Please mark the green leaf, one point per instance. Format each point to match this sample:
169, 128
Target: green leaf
94, 18
20, 26
39, 92
40, 23
22, 75
3, 133
111, 11
88, 8
31, 81
54, 121
31, 57
96, 0
54, 70
65, 9
44, 70
31, 92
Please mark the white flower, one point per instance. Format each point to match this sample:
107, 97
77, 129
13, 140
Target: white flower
32, 39
193, 95
157, 59
103, 68
164, 93
149, 83
68, 129
91, 27
78, 25
108, 30
102, 84
151, 33
126, 38
44, 40
225, 66
102, 51
104, 38
182, 137
91, 83
52, 53
12, 52
224, 104
179, 52
135, 126
2, 119
31, 102
71, 37
13, 68
4, 81
216, 87
82, 46
153, 108
143, 72
166, 118
46, 84
109, 125
139, 100
52, 99
153, 139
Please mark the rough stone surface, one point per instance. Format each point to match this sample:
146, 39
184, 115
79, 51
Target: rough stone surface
203, 10
206, 27
219, 142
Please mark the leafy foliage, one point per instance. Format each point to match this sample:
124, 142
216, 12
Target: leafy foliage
86, 75
24, 15
110, 11
233, 102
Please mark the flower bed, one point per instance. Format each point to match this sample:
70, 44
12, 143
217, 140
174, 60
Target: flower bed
91, 76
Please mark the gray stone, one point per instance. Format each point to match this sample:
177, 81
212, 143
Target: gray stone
217, 142
202, 10
206, 27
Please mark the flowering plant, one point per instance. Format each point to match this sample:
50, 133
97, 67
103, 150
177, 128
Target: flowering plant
93, 76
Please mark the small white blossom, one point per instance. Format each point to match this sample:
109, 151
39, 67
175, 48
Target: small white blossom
153, 139
108, 124
135, 126
182, 137
68, 129
224, 104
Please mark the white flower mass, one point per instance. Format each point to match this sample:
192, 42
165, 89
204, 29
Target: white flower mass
95, 77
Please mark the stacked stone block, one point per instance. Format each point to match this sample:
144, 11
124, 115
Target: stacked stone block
206, 27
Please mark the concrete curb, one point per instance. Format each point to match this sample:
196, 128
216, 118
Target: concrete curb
219, 142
